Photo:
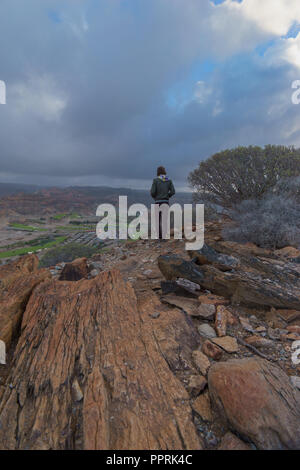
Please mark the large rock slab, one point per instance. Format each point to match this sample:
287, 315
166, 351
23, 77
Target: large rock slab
17, 281
256, 282
93, 370
258, 401
208, 255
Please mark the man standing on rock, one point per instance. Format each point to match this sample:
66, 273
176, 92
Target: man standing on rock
161, 191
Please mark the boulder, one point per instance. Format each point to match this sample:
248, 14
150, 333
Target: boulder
75, 271
92, 370
17, 281
258, 402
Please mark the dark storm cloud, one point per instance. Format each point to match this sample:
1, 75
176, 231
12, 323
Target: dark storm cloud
88, 85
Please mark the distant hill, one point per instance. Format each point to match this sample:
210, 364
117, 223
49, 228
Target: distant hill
7, 189
79, 199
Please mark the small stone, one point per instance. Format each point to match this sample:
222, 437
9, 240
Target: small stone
77, 392
206, 311
212, 350
294, 329
2, 353
196, 385
202, 407
259, 342
245, 324
290, 337
228, 343
274, 333
207, 331
261, 329
221, 320
211, 439
295, 381
201, 361
155, 315
94, 273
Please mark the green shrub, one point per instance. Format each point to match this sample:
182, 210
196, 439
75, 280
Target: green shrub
32, 247
232, 176
67, 253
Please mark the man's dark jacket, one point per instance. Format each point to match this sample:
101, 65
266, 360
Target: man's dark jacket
162, 190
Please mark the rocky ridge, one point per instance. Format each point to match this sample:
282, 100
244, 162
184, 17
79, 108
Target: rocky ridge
146, 347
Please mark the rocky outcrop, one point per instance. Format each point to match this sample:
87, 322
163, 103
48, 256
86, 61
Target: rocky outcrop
256, 282
94, 368
258, 401
75, 271
17, 281
207, 255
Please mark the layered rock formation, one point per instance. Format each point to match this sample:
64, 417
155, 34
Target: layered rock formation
194, 355
93, 370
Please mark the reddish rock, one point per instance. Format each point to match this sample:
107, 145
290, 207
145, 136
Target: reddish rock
196, 384
221, 320
294, 329
259, 342
290, 337
92, 370
190, 306
212, 350
232, 442
75, 271
202, 406
213, 299
258, 402
201, 361
288, 252
17, 281
287, 315
228, 343
245, 324
206, 311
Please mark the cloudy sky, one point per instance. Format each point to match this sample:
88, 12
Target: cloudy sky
102, 91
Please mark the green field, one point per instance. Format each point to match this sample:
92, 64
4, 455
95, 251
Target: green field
32, 249
59, 216
30, 228
77, 228
62, 216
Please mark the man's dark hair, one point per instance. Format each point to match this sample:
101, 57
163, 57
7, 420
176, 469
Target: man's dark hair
161, 171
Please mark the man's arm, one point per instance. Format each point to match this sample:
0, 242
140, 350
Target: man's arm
171, 190
153, 189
